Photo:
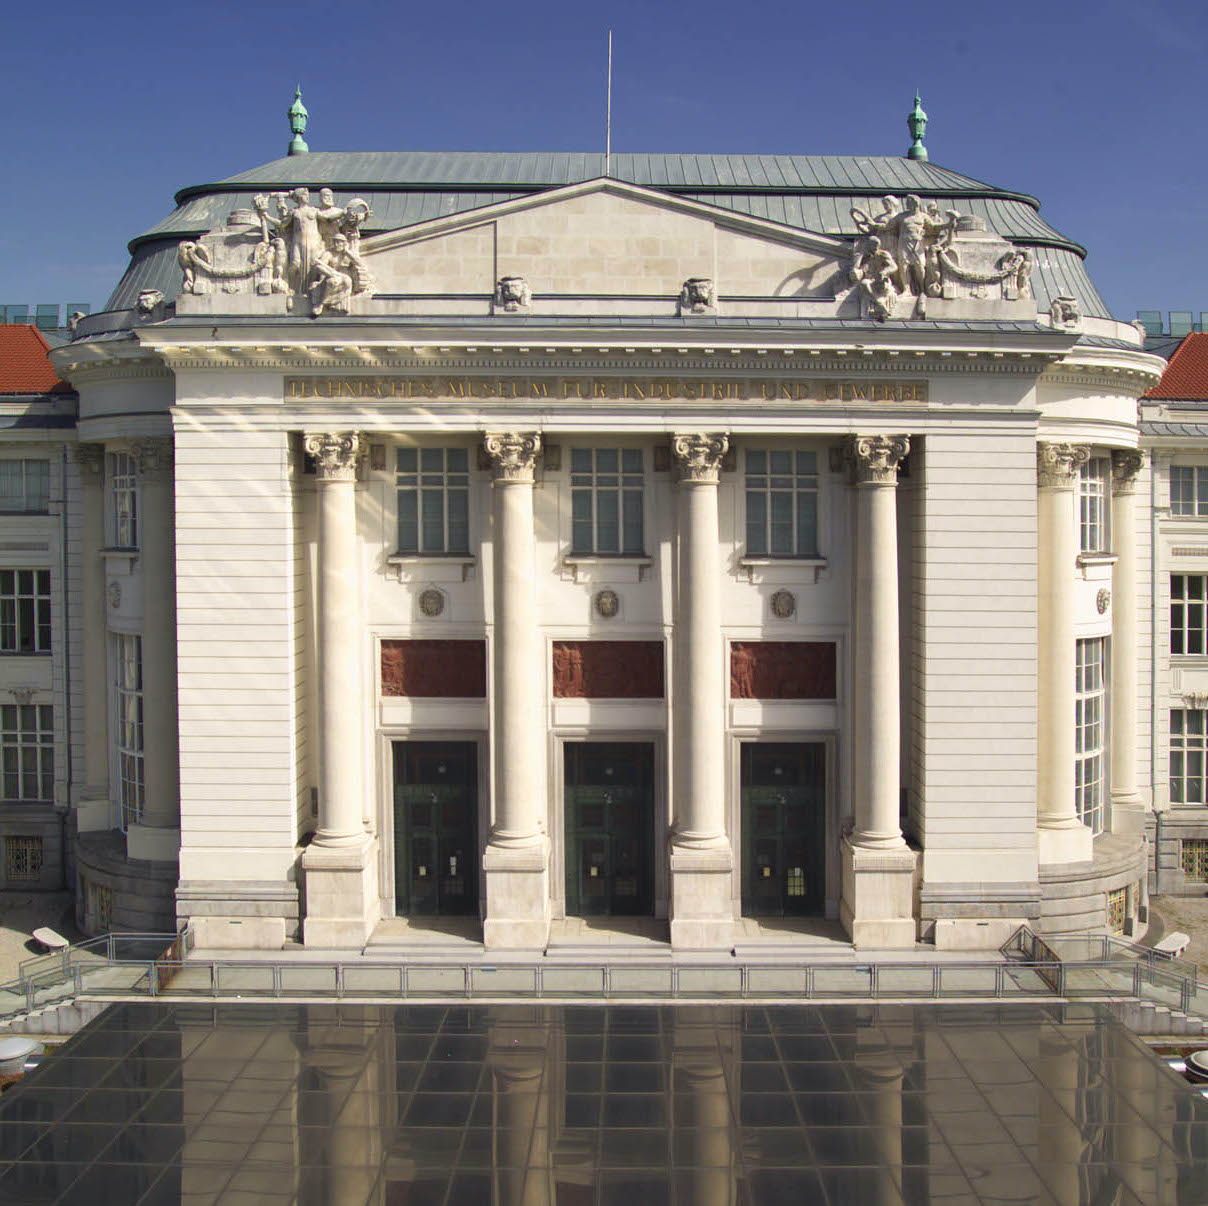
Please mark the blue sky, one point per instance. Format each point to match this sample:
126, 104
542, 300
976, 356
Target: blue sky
1096, 108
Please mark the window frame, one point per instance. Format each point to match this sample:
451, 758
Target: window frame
25, 612
1180, 754
796, 492
586, 493
1090, 732
31, 504
29, 743
1183, 607
121, 486
1198, 498
129, 769
440, 485
1094, 507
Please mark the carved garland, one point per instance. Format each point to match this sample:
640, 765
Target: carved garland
1011, 264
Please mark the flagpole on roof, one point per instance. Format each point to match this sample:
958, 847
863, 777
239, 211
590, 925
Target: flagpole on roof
608, 113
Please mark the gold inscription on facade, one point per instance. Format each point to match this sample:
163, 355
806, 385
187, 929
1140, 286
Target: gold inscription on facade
586, 389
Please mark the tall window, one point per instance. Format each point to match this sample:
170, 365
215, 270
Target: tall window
1089, 699
1189, 490
433, 500
123, 501
1188, 746
606, 501
782, 504
1093, 497
1187, 619
25, 486
24, 611
129, 700
27, 735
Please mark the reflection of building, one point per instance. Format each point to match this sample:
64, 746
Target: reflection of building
685, 542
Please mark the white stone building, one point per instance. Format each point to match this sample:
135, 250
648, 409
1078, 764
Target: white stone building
724, 538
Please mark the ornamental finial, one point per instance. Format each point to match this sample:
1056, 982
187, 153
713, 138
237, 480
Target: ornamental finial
297, 123
916, 122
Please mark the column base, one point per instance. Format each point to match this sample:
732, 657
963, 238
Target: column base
1070, 844
702, 903
517, 905
1128, 812
93, 813
877, 903
152, 844
341, 894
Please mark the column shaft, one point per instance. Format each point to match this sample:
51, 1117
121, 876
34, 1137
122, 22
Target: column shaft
1125, 467
91, 461
1062, 837
700, 670
338, 634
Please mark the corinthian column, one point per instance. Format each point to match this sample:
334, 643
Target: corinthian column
702, 912
341, 887
1127, 813
877, 897
516, 860
92, 807
1062, 838
157, 835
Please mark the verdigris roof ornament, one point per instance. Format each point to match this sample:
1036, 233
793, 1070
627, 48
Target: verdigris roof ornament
916, 121
297, 124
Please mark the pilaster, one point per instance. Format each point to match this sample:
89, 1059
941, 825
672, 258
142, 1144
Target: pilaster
1128, 811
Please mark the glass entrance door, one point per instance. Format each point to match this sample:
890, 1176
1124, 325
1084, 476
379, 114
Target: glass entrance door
609, 828
783, 829
435, 827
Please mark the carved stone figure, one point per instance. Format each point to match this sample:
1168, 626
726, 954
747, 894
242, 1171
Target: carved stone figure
1065, 313
335, 276
73, 321
512, 293
191, 256
697, 296
149, 300
874, 271
608, 604
356, 213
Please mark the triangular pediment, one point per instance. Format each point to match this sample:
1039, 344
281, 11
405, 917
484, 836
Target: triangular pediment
605, 237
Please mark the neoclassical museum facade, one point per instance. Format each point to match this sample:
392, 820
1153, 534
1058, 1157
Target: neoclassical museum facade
717, 540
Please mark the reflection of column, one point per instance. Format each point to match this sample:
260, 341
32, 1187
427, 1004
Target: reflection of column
702, 1109
1127, 812
516, 859
877, 902
157, 835
341, 888
519, 1063
702, 913
93, 805
1063, 1069
882, 1074
1062, 837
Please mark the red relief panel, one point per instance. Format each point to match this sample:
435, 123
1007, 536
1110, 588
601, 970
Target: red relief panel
782, 670
608, 669
435, 669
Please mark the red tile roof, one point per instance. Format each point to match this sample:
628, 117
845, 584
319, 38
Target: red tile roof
24, 365
1186, 376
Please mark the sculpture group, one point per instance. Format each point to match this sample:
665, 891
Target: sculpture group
296, 248
909, 251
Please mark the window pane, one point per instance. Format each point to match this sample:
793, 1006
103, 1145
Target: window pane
408, 521
606, 460
459, 521
782, 524
807, 522
581, 533
432, 520
633, 542
607, 522
757, 518
407, 462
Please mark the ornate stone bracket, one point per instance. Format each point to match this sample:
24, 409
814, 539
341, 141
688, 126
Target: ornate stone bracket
512, 454
698, 296
1065, 314
155, 458
90, 459
337, 454
875, 459
698, 456
1126, 464
23, 695
1057, 465
512, 293
1198, 700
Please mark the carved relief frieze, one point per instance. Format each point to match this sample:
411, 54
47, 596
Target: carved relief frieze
512, 454
608, 670
337, 454
155, 458
875, 458
783, 670
1057, 465
698, 456
1126, 464
434, 669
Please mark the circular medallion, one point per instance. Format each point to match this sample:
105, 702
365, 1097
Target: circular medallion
608, 603
784, 604
1102, 599
431, 602
115, 594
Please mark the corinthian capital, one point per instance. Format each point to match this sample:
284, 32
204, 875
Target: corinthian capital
90, 458
1126, 464
155, 458
698, 455
513, 454
337, 454
1057, 465
875, 458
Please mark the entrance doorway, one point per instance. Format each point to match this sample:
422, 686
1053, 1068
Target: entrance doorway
436, 852
609, 828
783, 829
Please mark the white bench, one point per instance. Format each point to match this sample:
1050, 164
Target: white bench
49, 939
1174, 944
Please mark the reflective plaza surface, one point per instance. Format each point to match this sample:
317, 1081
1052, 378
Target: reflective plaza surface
578, 1105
